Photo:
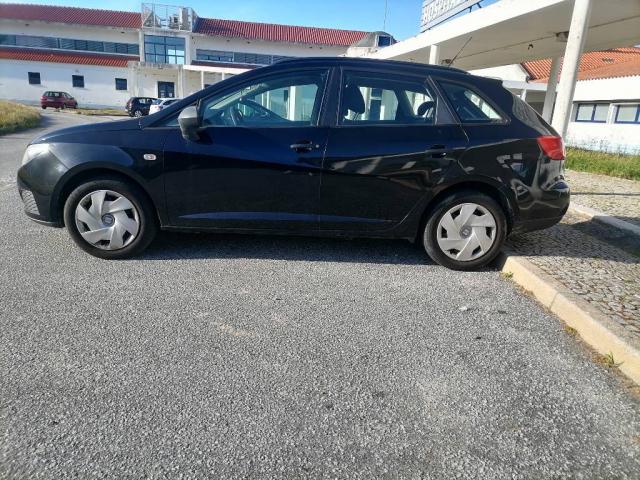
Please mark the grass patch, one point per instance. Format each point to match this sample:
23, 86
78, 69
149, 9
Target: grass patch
14, 117
608, 360
615, 165
100, 111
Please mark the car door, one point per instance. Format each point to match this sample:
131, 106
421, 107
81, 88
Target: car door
257, 162
393, 142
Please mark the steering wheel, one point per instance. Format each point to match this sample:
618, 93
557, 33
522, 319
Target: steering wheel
236, 115
263, 112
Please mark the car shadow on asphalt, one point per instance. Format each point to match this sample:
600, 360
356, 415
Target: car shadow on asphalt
170, 246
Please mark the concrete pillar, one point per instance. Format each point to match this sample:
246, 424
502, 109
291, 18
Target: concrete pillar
552, 86
523, 95
181, 81
575, 43
201, 79
141, 44
188, 53
434, 55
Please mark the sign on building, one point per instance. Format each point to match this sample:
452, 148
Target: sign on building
436, 11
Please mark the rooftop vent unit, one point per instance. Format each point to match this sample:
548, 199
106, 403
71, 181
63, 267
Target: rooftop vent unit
167, 17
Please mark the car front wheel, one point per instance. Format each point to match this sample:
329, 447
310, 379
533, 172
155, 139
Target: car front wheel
137, 113
465, 231
110, 218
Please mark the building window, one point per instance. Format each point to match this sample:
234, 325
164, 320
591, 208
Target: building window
628, 113
159, 49
34, 78
214, 56
7, 39
238, 57
121, 84
592, 112
383, 40
77, 81
69, 44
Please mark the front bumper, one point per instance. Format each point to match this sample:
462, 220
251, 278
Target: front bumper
37, 183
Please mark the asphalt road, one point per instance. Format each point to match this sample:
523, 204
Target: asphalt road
256, 357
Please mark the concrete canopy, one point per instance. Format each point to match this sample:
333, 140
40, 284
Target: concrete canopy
513, 31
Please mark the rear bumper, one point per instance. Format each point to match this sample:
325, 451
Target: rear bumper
546, 210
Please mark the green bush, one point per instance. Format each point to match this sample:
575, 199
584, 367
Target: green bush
615, 165
14, 116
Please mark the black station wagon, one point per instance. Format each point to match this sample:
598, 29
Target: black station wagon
316, 146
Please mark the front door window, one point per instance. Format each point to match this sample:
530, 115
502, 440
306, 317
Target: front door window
287, 100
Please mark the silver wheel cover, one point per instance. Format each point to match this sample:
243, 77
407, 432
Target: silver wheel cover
107, 220
466, 232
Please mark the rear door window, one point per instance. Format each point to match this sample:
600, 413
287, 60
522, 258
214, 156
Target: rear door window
469, 105
382, 99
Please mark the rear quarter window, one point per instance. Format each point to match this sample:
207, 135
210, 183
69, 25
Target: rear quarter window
470, 105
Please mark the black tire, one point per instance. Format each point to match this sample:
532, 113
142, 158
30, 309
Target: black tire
148, 222
138, 113
430, 233
44, 107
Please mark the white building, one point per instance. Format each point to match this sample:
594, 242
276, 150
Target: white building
606, 104
103, 57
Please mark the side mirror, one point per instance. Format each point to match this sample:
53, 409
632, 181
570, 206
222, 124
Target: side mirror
189, 123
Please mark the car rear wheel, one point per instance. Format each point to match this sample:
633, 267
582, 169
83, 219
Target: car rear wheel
110, 218
137, 113
465, 231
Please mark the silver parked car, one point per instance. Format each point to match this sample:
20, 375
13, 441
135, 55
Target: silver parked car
161, 103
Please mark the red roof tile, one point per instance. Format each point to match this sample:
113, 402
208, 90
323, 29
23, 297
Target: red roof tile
208, 26
277, 33
35, 55
617, 62
80, 16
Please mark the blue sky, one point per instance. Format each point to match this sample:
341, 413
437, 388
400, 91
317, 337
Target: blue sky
403, 19
403, 16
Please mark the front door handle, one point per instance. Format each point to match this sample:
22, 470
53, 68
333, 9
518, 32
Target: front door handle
305, 146
438, 151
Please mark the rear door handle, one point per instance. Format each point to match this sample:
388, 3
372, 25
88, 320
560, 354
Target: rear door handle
304, 146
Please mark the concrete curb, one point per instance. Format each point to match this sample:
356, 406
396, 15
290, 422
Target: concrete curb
589, 323
604, 218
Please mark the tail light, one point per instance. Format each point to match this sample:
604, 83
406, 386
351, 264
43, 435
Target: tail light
552, 146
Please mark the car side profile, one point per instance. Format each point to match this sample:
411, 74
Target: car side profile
318, 146
139, 106
57, 100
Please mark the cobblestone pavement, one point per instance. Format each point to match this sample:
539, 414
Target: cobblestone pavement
603, 275
615, 196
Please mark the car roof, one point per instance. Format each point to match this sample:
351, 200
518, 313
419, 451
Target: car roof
368, 63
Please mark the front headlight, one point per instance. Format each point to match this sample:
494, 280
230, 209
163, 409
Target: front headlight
33, 151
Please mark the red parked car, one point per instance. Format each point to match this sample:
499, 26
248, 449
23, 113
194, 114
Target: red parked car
57, 100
